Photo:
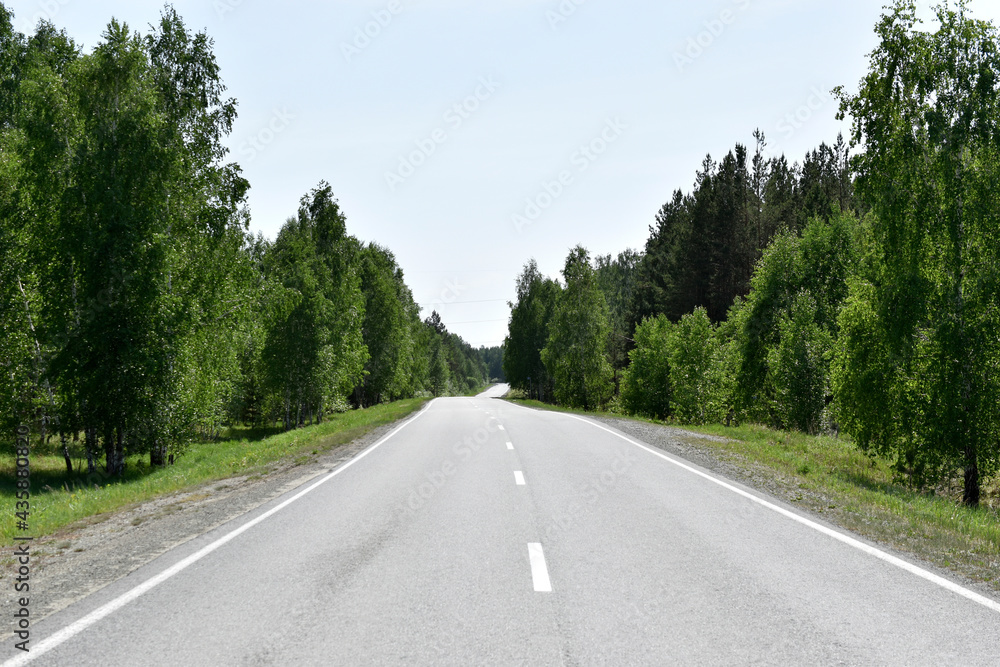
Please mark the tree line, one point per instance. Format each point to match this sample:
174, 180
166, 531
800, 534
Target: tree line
849, 292
137, 311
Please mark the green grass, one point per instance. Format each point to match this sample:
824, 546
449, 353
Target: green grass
59, 499
865, 495
515, 397
831, 477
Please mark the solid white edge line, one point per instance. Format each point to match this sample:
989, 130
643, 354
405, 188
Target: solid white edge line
539, 571
846, 539
519, 478
108, 608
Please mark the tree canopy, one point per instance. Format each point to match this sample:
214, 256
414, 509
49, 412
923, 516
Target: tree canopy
136, 309
921, 325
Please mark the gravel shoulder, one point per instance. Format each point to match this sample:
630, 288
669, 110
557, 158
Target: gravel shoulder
969, 569
692, 447
87, 556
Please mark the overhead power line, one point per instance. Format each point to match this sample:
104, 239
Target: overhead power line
451, 303
476, 321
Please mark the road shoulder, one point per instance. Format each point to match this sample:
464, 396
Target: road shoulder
891, 533
83, 558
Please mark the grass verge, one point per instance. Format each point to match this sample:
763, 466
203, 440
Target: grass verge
59, 499
832, 478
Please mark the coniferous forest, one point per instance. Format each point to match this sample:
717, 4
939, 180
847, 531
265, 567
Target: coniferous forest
137, 312
855, 292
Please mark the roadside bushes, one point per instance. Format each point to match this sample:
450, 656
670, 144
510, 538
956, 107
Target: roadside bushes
770, 360
645, 388
695, 354
799, 367
677, 370
784, 332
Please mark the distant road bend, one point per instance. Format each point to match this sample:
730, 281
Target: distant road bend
480, 532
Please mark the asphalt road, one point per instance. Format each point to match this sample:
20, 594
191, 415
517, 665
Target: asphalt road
484, 533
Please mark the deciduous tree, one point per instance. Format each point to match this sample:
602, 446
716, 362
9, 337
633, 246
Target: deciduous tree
576, 352
917, 370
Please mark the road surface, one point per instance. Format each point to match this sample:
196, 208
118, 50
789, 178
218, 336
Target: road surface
485, 533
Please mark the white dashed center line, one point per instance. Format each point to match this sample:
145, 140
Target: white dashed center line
510, 445
539, 572
519, 477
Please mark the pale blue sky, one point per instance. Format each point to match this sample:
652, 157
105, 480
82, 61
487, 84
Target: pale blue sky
535, 81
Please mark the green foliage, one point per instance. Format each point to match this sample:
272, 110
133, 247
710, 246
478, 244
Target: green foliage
616, 279
135, 310
694, 356
16, 353
920, 328
814, 268
576, 352
528, 333
130, 258
862, 367
314, 355
18, 300
12, 46
386, 329
678, 370
493, 358
868, 302
420, 366
454, 367
645, 386
799, 366
704, 247
440, 373
467, 370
